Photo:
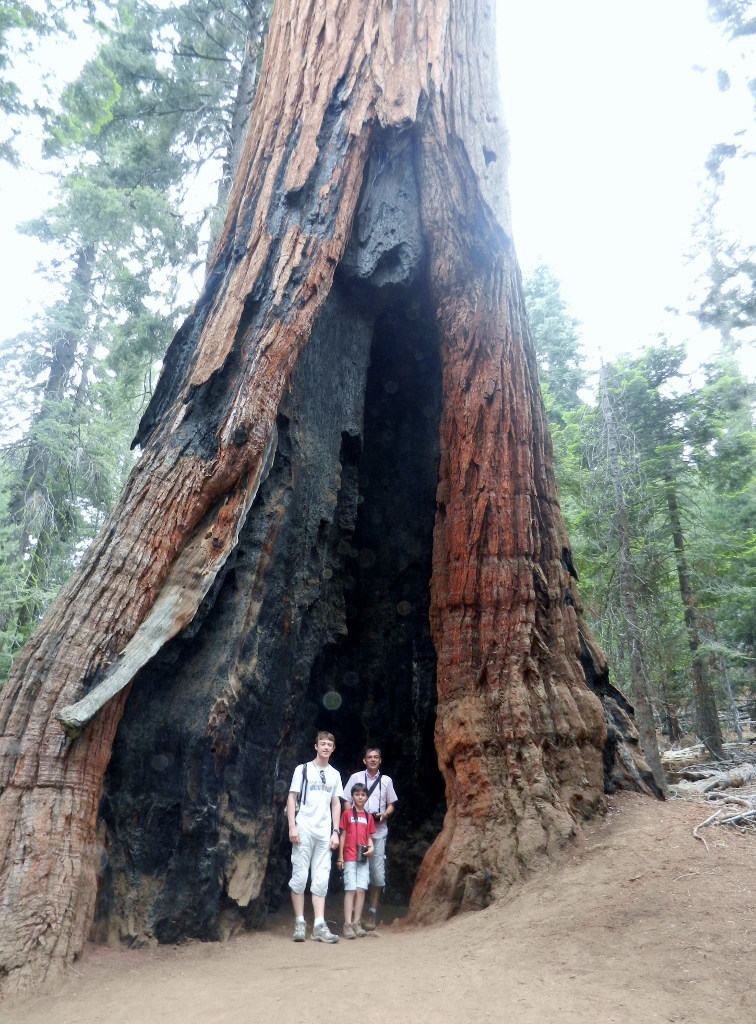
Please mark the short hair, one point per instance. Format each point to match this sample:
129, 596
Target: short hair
376, 749
359, 786
323, 735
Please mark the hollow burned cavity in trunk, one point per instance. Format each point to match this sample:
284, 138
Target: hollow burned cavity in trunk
318, 620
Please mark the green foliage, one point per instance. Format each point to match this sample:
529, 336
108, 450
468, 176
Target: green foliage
18, 21
693, 439
557, 341
152, 106
21, 27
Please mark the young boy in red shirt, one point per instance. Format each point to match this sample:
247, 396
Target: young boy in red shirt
355, 846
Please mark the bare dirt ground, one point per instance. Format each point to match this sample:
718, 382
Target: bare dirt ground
638, 923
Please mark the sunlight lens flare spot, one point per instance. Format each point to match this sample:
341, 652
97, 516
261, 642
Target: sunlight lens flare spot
332, 701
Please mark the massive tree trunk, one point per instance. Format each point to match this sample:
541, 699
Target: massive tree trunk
266, 569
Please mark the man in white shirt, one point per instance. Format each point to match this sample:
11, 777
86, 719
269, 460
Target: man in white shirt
381, 801
313, 809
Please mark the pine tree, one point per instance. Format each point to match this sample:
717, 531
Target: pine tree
558, 349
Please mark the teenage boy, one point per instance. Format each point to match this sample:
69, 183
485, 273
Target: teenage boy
381, 801
355, 849
314, 832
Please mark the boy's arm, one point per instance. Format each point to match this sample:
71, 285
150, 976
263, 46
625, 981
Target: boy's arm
342, 840
291, 810
335, 816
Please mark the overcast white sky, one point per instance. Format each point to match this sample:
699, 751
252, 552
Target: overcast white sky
612, 108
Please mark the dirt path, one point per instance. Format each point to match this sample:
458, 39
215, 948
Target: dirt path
637, 924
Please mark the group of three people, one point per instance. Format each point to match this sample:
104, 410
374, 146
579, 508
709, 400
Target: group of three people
317, 826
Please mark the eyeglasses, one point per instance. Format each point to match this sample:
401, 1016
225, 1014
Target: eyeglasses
322, 776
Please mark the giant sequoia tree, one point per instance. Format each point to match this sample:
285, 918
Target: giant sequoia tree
344, 514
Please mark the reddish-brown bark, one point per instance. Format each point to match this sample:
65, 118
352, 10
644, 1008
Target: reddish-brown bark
520, 735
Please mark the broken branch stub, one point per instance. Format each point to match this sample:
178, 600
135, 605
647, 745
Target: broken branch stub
187, 583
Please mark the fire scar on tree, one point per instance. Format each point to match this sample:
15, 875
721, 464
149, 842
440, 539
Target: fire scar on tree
344, 515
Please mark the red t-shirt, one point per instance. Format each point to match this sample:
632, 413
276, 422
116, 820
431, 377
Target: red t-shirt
357, 832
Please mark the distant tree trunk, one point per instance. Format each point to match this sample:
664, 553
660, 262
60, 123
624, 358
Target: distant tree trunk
376, 121
703, 692
674, 732
731, 699
33, 507
627, 578
31, 492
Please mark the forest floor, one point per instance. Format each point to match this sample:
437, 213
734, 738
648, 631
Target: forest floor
637, 923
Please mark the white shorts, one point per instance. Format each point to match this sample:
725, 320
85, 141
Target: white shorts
378, 863
310, 855
356, 876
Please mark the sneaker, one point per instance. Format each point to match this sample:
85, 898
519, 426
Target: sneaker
299, 931
370, 922
350, 931
359, 931
320, 933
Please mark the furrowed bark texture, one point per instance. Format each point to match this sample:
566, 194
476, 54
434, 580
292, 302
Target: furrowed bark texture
521, 739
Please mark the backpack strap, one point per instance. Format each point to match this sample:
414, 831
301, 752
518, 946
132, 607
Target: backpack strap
371, 790
303, 786
356, 820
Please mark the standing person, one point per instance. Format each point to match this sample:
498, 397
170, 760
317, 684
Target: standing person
313, 809
355, 850
380, 803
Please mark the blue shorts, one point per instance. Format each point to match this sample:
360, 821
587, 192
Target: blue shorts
356, 876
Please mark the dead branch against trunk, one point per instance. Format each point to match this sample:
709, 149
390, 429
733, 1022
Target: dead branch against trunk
376, 121
188, 581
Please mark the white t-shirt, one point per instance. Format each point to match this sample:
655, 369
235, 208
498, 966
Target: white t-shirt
378, 800
314, 814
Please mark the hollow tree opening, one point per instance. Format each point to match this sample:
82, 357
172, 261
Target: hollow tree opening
319, 619
377, 683
231, 508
